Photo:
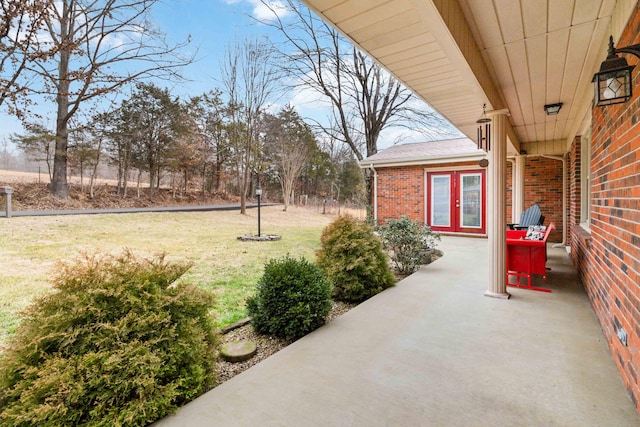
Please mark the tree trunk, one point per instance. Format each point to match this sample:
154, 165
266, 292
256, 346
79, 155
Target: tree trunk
94, 171
368, 180
59, 185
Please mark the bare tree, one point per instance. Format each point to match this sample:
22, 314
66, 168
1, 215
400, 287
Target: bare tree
250, 77
364, 98
20, 22
289, 142
93, 41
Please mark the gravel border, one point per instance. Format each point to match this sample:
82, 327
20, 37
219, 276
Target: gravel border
267, 345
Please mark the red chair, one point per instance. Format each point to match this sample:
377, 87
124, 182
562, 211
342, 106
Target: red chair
527, 257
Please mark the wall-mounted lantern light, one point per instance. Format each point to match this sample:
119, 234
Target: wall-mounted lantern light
552, 109
613, 83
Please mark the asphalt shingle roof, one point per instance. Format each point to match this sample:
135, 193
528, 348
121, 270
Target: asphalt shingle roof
448, 148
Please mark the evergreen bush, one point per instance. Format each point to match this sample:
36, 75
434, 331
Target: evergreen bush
118, 343
408, 243
293, 298
353, 259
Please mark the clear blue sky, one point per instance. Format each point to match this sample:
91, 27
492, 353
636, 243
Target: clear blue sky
212, 24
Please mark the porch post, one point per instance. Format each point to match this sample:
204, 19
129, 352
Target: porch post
518, 189
497, 206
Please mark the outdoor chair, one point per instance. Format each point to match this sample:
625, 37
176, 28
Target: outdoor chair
527, 255
531, 216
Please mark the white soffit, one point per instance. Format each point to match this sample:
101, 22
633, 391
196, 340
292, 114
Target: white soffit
456, 55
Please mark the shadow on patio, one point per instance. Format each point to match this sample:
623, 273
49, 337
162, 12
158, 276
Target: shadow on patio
435, 351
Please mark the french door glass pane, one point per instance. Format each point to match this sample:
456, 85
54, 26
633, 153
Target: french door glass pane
471, 201
441, 201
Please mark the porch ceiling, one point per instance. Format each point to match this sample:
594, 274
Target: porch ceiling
457, 55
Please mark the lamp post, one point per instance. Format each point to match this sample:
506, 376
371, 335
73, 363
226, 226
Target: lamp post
259, 195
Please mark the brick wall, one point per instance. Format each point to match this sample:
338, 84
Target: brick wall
542, 185
401, 190
574, 202
608, 258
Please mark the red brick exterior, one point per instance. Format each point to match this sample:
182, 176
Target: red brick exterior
401, 190
574, 202
608, 259
542, 185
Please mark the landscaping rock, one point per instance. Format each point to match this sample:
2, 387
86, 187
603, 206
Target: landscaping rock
261, 238
238, 351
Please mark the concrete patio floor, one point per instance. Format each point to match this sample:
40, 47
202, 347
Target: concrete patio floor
433, 351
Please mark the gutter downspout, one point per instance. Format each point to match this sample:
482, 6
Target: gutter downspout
513, 179
564, 200
375, 192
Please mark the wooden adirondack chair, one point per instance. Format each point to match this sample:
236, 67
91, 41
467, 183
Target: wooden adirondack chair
532, 216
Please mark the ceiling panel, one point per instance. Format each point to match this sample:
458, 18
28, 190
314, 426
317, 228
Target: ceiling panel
558, 42
481, 14
401, 45
535, 52
534, 13
371, 16
422, 49
560, 15
509, 20
348, 9
536, 48
586, 11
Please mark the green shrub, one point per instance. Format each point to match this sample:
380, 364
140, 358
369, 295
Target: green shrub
353, 259
293, 298
117, 344
408, 242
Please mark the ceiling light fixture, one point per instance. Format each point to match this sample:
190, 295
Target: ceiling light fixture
553, 109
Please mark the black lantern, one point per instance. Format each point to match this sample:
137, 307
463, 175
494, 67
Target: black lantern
612, 84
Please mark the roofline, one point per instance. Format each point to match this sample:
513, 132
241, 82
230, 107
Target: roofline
416, 161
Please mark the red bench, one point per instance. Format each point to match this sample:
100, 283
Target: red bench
527, 257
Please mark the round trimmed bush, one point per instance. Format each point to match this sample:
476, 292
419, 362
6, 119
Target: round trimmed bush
293, 298
408, 242
117, 344
353, 259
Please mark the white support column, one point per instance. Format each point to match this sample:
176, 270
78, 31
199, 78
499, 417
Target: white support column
497, 206
517, 189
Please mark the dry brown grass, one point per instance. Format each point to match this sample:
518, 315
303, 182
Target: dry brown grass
30, 247
15, 177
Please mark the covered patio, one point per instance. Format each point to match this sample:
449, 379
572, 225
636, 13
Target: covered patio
561, 139
433, 351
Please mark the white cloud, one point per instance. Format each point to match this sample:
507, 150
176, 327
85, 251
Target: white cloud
309, 99
264, 11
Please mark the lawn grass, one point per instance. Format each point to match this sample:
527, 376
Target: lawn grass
30, 247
